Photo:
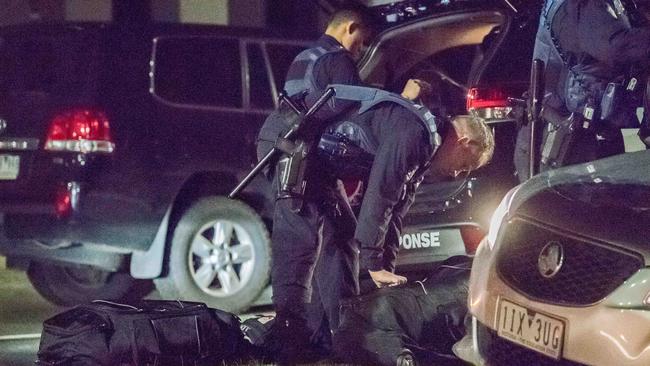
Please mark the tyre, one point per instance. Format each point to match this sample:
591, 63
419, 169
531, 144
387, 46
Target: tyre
69, 285
219, 254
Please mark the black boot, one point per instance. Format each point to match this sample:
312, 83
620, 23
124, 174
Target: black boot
291, 342
406, 358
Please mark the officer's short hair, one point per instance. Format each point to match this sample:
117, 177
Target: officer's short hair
479, 134
356, 14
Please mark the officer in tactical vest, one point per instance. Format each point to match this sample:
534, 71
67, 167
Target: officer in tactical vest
316, 225
391, 143
404, 141
596, 54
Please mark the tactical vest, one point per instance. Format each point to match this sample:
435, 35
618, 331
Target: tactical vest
370, 97
547, 47
348, 147
581, 87
301, 82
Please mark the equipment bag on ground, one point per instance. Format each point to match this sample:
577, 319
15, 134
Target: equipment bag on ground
416, 324
153, 333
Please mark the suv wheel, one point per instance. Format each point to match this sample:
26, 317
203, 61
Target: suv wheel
219, 255
74, 284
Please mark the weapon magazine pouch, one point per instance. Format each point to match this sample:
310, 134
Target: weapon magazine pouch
558, 137
584, 90
612, 99
347, 150
291, 173
343, 157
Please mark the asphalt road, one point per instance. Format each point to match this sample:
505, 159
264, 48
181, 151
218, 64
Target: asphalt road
22, 312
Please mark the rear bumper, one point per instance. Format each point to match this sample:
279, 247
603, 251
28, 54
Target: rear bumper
19, 251
122, 224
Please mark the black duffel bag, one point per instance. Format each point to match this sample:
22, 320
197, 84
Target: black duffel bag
153, 333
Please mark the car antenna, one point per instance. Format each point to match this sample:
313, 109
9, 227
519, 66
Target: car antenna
511, 6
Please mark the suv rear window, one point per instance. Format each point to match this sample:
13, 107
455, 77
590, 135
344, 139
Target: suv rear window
513, 58
199, 71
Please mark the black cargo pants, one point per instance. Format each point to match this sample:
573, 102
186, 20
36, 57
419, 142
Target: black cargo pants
314, 264
314, 259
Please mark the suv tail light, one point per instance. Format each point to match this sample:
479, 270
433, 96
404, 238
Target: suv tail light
488, 103
80, 130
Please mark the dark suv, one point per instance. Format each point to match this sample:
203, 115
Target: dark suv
118, 146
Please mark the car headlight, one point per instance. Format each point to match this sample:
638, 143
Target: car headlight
498, 216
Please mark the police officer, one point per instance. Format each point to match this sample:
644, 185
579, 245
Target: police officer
404, 139
404, 142
595, 52
311, 228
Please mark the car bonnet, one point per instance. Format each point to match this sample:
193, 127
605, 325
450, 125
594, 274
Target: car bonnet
629, 169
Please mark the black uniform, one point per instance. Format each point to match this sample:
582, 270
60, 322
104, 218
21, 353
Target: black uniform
401, 146
400, 137
586, 45
314, 262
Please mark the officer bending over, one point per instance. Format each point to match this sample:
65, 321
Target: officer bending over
595, 52
400, 143
404, 140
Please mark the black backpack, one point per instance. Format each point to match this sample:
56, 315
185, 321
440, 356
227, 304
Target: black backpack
153, 333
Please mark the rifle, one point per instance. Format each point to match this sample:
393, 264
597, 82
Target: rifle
293, 145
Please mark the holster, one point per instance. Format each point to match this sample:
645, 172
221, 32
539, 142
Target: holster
290, 171
347, 220
561, 133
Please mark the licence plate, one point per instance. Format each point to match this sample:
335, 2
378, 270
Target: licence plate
529, 328
9, 166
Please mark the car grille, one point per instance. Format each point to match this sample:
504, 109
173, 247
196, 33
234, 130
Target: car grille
589, 271
500, 352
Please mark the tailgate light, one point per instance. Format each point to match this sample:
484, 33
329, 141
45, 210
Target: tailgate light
66, 199
80, 130
488, 103
472, 237
63, 202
